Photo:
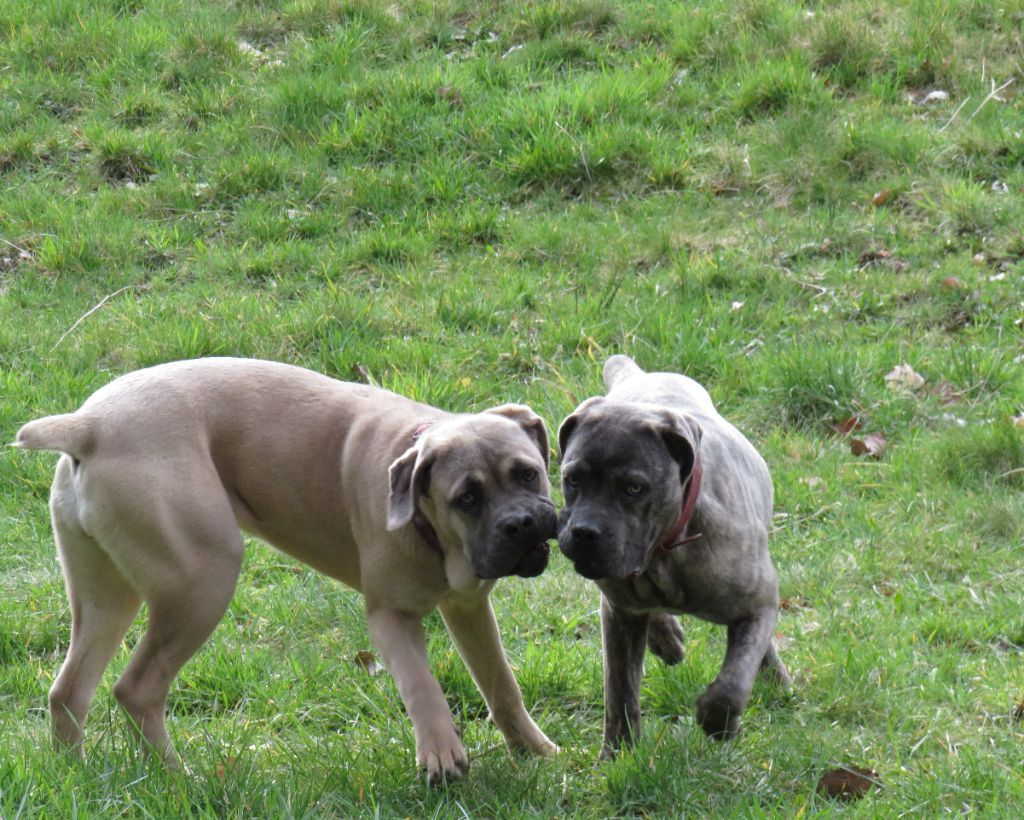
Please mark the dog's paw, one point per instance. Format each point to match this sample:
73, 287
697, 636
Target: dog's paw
665, 638
444, 758
543, 747
719, 710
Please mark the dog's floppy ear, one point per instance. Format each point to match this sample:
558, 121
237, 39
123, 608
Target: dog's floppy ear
681, 435
532, 424
572, 422
408, 476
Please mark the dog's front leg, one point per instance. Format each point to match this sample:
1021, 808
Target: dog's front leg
473, 627
720, 707
625, 637
399, 638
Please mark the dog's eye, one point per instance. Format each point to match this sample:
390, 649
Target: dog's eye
634, 488
572, 481
526, 476
467, 500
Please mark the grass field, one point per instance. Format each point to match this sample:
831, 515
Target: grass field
476, 202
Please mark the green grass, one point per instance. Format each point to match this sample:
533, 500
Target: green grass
473, 203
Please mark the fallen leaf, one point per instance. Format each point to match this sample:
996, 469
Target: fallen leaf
846, 426
450, 94
368, 661
783, 641
794, 603
952, 283
847, 782
873, 445
885, 587
220, 771
947, 392
904, 377
880, 257
870, 257
883, 196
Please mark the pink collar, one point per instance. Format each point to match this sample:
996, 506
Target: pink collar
672, 540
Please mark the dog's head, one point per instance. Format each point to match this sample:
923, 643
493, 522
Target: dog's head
624, 469
481, 483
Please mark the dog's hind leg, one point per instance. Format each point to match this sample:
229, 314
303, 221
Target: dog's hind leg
103, 605
665, 637
773, 668
187, 554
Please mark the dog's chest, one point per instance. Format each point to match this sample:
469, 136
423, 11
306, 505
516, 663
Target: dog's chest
656, 590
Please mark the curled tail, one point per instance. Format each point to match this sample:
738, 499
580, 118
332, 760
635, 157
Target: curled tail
70, 433
618, 368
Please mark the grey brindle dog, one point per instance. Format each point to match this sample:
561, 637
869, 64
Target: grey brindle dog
667, 508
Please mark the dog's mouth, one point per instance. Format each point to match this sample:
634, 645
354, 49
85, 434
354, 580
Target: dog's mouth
531, 563
534, 561
589, 572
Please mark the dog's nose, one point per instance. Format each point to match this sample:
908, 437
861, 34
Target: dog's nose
517, 524
584, 534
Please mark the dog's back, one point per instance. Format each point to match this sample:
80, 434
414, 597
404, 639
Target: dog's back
627, 381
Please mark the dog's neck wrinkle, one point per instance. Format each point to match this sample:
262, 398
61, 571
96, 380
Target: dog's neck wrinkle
427, 532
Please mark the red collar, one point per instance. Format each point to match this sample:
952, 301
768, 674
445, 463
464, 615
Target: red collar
672, 540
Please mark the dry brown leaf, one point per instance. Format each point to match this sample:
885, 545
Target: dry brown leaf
220, 771
873, 445
450, 94
368, 661
883, 196
870, 257
846, 426
947, 392
904, 377
952, 283
783, 641
847, 782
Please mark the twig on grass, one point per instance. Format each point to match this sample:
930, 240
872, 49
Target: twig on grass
89, 313
992, 95
10, 244
959, 108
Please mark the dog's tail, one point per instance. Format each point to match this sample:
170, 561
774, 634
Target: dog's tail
71, 433
618, 368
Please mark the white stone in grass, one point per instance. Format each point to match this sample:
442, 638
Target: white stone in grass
250, 50
936, 95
